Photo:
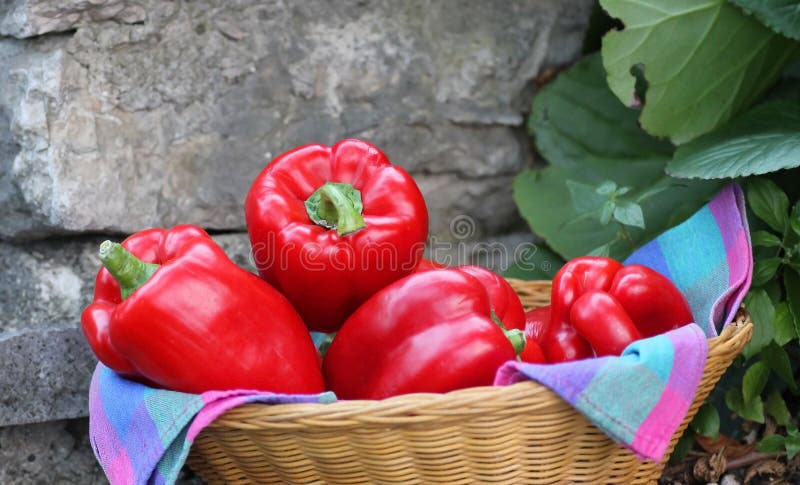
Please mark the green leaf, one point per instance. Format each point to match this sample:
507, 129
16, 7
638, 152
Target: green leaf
683, 447
576, 118
773, 443
785, 330
752, 410
608, 187
763, 314
703, 61
630, 214
544, 200
534, 262
589, 138
792, 446
585, 197
764, 139
755, 379
769, 203
782, 16
778, 361
764, 270
777, 408
791, 281
765, 239
794, 218
706, 421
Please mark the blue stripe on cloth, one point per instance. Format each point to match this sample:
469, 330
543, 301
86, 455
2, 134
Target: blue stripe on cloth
621, 409
123, 403
700, 295
691, 249
167, 408
652, 256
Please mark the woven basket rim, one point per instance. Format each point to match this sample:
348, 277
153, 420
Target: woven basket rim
469, 401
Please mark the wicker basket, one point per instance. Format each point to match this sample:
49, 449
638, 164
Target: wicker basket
523, 433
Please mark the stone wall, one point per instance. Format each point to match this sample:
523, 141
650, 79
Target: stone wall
118, 115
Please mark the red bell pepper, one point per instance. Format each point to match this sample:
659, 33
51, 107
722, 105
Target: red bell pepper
561, 342
602, 321
429, 332
505, 303
652, 301
599, 307
535, 322
330, 226
171, 309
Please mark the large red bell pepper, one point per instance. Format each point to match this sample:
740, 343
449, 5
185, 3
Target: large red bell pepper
598, 307
171, 309
330, 226
429, 332
505, 303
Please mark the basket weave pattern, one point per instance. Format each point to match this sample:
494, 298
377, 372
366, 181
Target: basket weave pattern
522, 433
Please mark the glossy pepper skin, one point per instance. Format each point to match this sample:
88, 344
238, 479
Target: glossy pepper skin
535, 322
599, 306
429, 332
652, 301
332, 225
199, 322
505, 303
561, 342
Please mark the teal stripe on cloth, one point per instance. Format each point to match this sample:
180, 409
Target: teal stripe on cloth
700, 233
635, 400
158, 402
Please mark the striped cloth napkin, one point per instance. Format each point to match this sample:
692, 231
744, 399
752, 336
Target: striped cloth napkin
641, 397
143, 435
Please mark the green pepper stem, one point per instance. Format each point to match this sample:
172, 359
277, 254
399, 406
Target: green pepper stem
337, 206
517, 338
129, 271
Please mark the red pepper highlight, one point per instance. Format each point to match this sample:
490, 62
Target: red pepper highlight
429, 332
599, 307
330, 226
186, 318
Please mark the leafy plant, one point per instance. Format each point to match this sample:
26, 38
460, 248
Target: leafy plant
686, 96
703, 61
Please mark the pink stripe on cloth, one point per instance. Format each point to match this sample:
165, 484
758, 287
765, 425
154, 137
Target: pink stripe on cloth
120, 471
216, 405
649, 441
728, 209
653, 436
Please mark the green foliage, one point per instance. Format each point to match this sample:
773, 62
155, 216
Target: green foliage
763, 140
706, 421
576, 119
712, 77
777, 443
538, 262
702, 61
605, 191
782, 16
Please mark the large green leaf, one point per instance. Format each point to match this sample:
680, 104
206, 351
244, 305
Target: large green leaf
606, 176
577, 118
763, 313
700, 61
780, 15
765, 139
544, 200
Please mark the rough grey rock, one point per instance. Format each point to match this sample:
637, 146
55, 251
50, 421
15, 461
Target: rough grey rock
28, 18
45, 361
497, 253
46, 375
48, 453
56, 453
119, 126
